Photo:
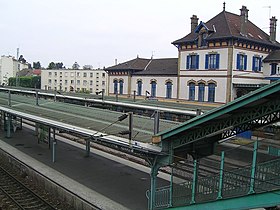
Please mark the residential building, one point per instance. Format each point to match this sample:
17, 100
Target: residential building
74, 80
9, 67
222, 59
156, 78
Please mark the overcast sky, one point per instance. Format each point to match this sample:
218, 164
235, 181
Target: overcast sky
97, 32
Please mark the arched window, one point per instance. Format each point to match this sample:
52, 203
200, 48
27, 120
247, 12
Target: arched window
201, 91
115, 86
168, 89
153, 89
191, 91
211, 92
121, 87
139, 87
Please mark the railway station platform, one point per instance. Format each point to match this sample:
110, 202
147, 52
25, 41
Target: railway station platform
107, 181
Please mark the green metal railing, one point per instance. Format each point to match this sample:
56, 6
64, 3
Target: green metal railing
255, 178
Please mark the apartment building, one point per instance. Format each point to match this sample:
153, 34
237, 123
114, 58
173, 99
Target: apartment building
9, 67
74, 80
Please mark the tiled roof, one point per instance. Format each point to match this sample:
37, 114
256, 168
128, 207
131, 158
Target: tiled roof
135, 64
164, 66
273, 56
227, 25
142, 66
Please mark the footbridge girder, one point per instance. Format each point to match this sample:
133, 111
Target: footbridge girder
199, 135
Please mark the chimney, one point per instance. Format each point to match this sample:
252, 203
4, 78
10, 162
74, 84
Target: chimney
272, 31
244, 20
116, 61
194, 22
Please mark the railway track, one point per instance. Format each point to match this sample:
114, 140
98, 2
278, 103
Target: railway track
16, 195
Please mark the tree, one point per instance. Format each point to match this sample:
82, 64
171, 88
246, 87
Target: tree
75, 65
37, 65
59, 65
52, 65
87, 67
21, 59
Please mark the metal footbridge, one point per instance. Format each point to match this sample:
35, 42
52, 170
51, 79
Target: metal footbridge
256, 184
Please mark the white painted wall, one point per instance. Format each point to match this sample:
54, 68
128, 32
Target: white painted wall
161, 87
9, 67
202, 52
60, 79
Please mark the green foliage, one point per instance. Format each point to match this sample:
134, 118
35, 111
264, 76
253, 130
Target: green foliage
53, 65
27, 81
37, 65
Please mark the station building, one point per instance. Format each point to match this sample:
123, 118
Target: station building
219, 60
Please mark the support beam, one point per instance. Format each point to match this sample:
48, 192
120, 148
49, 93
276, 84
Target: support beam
253, 169
37, 98
134, 95
54, 144
9, 98
49, 137
156, 122
8, 124
154, 172
130, 126
87, 147
220, 196
194, 184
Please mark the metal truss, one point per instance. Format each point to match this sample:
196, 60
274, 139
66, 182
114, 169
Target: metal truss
255, 117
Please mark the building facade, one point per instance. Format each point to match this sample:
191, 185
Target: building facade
9, 67
74, 80
153, 78
222, 59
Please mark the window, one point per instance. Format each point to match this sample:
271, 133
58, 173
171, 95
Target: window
78, 89
212, 61
241, 63
103, 74
273, 68
153, 89
72, 74
103, 82
91, 74
50, 81
201, 91
84, 82
50, 74
55, 74
60, 73
72, 82
55, 81
65, 89
78, 74
192, 61
121, 87
139, 88
85, 74
66, 82
90, 90
115, 86
257, 64
78, 82
168, 89
90, 82
211, 92
191, 91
